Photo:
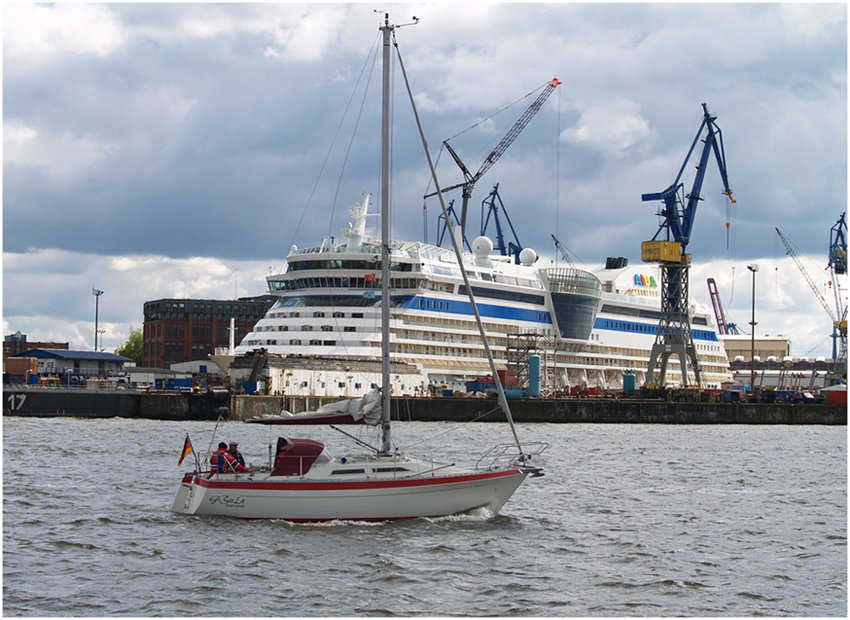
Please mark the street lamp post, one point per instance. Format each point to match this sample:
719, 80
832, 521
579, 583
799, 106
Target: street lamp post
754, 268
97, 293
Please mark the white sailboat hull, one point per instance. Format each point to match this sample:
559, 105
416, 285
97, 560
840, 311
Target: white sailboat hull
270, 497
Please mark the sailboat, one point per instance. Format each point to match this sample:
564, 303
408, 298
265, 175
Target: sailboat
305, 483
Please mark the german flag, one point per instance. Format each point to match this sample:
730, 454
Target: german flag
187, 450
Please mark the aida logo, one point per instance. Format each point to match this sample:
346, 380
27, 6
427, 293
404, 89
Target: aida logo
642, 280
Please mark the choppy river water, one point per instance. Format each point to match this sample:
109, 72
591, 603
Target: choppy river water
630, 520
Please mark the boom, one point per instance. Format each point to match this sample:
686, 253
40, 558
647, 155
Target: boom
469, 178
724, 327
679, 224
563, 251
805, 273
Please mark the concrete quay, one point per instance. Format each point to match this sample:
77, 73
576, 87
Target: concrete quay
569, 410
48, 402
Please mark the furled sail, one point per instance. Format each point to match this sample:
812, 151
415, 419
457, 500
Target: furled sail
365, 410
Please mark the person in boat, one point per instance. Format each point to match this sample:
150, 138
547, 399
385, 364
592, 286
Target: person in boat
235, 453
286, 445
224, 462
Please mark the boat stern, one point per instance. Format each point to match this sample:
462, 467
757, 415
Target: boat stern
181, 501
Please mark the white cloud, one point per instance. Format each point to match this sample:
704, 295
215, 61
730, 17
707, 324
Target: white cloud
47, 293
611, 128
63, 154
42, 31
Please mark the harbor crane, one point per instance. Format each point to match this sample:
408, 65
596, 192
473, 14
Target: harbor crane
839, 315
724, 327
512, 248
563, 251
838, 246
838, 266
674, 335
470, 179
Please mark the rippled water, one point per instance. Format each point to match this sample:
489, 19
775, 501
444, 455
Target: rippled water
630, 520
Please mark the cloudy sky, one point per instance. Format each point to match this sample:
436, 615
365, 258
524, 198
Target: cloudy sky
179, 150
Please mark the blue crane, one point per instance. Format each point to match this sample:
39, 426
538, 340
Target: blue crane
679, 222
513, 248
838, 266
838, 245
678, 213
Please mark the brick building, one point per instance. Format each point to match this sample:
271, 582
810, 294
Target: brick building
183, 330
16, 344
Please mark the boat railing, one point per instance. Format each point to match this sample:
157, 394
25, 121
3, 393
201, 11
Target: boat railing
503, 456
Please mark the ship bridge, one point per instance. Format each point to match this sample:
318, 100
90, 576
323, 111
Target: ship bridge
576, 298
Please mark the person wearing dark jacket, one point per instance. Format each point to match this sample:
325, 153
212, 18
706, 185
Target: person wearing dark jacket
235, 453
224, 462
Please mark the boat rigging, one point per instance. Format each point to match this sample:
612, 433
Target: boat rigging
305, 483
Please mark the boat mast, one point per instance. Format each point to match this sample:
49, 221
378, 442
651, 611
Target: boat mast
386, 30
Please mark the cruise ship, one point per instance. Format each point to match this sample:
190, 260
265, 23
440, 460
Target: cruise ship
590, 328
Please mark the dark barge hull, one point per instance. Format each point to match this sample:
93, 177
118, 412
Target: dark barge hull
78, 403
83, 403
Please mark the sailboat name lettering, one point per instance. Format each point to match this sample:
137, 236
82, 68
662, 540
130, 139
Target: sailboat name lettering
226, 500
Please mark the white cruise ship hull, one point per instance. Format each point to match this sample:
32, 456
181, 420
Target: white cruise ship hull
589, 327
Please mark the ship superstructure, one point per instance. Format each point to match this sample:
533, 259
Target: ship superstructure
587, 326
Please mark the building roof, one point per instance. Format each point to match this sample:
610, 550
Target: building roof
65, 354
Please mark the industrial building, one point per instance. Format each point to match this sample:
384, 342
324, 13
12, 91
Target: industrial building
184, 330
16, 344
76, 368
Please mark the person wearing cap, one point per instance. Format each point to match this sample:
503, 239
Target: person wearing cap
224, 462
235, 453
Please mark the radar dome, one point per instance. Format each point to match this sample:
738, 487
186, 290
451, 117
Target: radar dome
482, 246
527, 257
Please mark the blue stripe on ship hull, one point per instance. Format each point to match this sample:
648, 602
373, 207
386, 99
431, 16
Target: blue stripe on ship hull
643, 328
464, 308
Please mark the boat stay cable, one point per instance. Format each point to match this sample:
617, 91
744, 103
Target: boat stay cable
503, 401
371, 57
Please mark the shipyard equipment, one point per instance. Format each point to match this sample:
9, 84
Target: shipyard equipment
839, 315
493, 204
668, 248
471, 179
512, 248
563, 251
838, 246
723, 326
838, 266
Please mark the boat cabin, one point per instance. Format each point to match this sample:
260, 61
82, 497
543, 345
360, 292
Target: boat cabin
295, 457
